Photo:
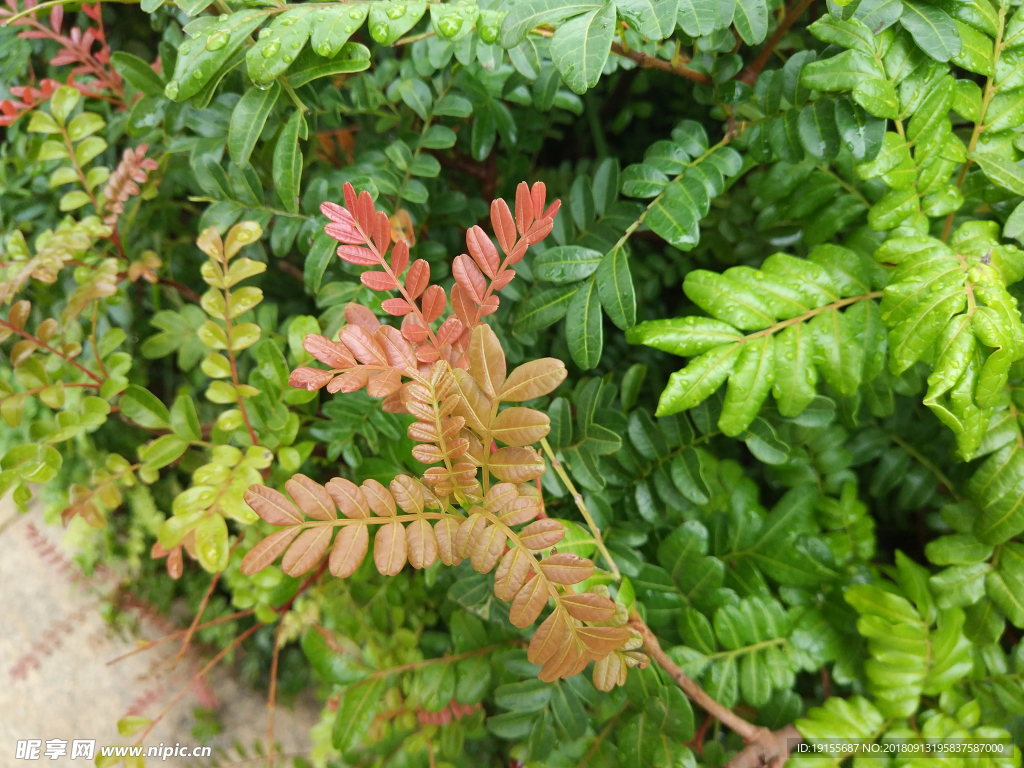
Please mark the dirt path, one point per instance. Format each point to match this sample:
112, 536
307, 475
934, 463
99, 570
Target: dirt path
54, 678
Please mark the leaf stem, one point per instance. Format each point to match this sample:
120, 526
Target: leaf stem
750, 73
48, 348
582, 507
927, 464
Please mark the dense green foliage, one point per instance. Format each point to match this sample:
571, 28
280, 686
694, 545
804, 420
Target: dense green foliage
817, 203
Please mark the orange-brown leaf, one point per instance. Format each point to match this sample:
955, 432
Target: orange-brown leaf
609, 672
397, 350
450, 331
500, 496
349, 497
408, 494
520, 510
417, 278
445, 531
542, 534
267, 551
307, 550
551, 635
349, 381
474, 405
433, 303
378, 281
422, 544
511, 574
504, 225
482, 250
396, 307
357, 314
601, 641
487, 360
379, 498
472, 527
312, 498
310, 379
487, 549
516, 465
570, 659
272, 506
567, 568
520, 426
524, 208
350, 547
384, 383
427, 454
589, 607
363, 345
469, 277
389, 549
529, 602
533, 379
329, 352
399, 257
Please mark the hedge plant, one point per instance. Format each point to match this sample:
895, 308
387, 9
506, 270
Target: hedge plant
356, 328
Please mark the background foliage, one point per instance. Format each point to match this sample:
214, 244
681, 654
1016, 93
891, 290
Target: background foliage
816, 202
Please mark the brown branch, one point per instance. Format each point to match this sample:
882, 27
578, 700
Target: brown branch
48, 348
764, 748
750, 73
167, 638
202, 608
652, 62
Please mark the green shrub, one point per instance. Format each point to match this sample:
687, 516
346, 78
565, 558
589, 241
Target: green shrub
597, 537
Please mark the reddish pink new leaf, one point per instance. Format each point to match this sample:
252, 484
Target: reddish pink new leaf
349, 381
469, 277
344, 233
504, 225
349, 193
396, 307
357, 314
412, 330
524, 208
483, 251
378, 281
489, 306
418, 278
433, 303
399, 257
363, 345
331, 353
504, 278
398, 351
449, 331
540, 229
358, 255
538, 196
381, 231
310, 379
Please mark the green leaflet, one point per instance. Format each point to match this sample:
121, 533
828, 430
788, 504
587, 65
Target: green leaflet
749, 384
356, 711
525, 16
579, 47
684, 336
653, 19
751, 20
796, 377
279, 44
693, 384
615, 288
836, 355
697, 17
544, 308
584, 326
247, 121
727, 299
288, 161
567, 263
353, 57
200, 58
933, 30
334, 25
998, 489
389, 21
1000, 170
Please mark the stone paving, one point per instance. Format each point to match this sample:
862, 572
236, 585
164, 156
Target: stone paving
54, 679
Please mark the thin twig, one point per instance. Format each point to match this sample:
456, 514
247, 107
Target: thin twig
272, 695
749, 75
199, 612
179, 633
645, 61
578, 498
765, 748
196, 678
48, 348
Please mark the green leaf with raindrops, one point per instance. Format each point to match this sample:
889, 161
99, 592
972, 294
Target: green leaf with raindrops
453, 21
201, 58
279, 44
334, 25
390, 20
